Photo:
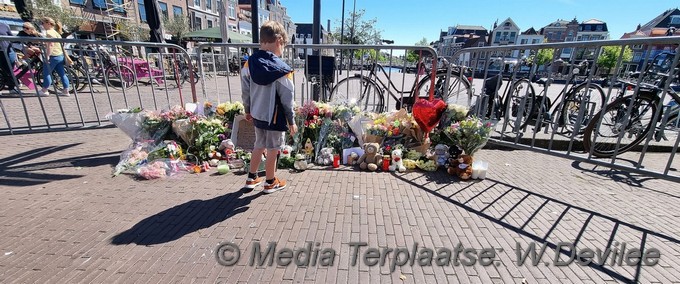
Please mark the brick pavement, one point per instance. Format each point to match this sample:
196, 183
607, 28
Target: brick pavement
64, 219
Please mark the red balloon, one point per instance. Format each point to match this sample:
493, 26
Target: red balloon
427, 113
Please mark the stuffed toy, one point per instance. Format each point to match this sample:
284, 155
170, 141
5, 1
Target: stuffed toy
325, 157
214, 156
397, 161
352, 158
441, 155
286, 151
309, 148
370, 159
227, 147
300, 162
462, 167
454, 152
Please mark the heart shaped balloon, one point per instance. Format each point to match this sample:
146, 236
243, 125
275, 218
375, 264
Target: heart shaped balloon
427, 113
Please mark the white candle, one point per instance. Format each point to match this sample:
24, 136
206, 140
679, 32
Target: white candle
483, 169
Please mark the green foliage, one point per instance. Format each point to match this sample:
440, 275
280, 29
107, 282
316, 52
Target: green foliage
132, 31
71, 19
610, 55
544, 56
359, 31
178, 26
412, 55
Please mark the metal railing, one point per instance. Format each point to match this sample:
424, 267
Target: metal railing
567, 116
109, 75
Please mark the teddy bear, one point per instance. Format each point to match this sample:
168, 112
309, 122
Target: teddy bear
370, 159
325, 157
286, 151
397, 161
441, 155
462, 167
227, 147
454, 152
214, 156
300, 163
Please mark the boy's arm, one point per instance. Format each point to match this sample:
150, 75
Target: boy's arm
245, 87
286, 90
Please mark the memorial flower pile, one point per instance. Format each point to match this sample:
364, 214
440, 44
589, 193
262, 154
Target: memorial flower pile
470, 134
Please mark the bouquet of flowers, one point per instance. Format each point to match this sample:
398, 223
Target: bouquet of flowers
454, 113
153, 170
167, 149
133, 157
227, 111
207, 133
470, 134
129, 121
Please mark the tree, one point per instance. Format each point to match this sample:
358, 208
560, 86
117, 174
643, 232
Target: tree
358, 30
131, 31
71, 19
178, 27
610, 55
413, 55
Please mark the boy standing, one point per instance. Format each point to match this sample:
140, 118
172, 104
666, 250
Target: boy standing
267, 85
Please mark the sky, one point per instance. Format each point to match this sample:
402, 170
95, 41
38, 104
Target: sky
407, 22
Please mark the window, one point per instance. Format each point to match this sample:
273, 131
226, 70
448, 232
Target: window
142, 11
197, 3
523, 41
232, 10
177, 11
210, 24
164, 9
559, 35
637, 56
598, 28
77, 2
208, 4
197, 24
482, 55
101, 4
675, 20
481, 44
637, 46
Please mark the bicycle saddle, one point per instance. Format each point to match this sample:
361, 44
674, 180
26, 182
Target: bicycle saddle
545, 81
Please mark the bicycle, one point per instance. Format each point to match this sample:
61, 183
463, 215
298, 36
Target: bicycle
520, 104
34, 68
116, 76
628, 119
367, 91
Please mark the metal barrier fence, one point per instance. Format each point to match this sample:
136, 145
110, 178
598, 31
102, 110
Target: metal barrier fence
595, 103
554, 115
379, 72
105, 76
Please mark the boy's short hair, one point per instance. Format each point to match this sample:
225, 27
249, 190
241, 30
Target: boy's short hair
271, 30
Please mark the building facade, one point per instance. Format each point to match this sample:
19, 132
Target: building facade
665, 24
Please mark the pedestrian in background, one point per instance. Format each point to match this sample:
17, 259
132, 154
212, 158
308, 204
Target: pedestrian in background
267, 93
7, 57
56, 61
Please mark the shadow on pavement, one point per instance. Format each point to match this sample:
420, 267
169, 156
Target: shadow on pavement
544, 201
186, 218
15, 171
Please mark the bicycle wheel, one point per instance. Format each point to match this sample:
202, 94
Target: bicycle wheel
592, 97
56, 79
358, 91
518, 106
459, 91
616, 124
80, 78
119, 80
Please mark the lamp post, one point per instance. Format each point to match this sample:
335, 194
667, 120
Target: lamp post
342, 33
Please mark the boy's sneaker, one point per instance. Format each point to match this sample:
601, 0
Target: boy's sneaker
274, 187
252, 183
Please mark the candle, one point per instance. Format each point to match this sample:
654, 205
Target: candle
386, 163
476, 168
482, 171
223, 168
336, 161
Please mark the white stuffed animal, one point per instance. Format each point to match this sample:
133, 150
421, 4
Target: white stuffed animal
286, 151
441, 154
325, 157
397, 161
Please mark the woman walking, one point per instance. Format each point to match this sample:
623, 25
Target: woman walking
56, 60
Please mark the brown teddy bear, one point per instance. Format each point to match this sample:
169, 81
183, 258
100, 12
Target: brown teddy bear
462, 167
370, 159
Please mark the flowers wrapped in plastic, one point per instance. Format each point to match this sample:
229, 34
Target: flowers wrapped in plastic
130, 121
134, 156
470, 134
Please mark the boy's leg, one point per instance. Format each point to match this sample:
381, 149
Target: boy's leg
274, 143
256, 157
